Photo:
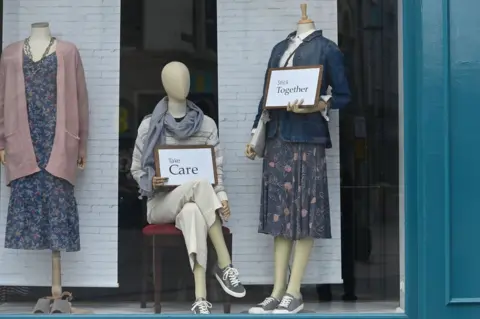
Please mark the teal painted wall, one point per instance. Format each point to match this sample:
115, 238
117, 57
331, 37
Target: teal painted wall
445, 89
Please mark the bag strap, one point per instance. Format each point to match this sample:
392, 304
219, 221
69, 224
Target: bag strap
290, 56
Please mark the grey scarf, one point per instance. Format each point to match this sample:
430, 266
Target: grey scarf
160, 122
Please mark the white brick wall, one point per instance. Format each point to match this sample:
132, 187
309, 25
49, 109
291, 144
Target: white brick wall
94, 26
247, 32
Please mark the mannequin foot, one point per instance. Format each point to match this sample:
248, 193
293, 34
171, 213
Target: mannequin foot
266, 306
228, 279
61, 306
201, 307
42, 306
289, 304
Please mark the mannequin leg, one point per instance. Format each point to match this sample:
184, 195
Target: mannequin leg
200, 282
301, 256
292, 301
216, 236
226, 274
56, 275
283, 250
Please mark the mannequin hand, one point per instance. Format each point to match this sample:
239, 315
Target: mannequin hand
250, 152
295, 106
158, 181
2, 157
81, 162
225, 211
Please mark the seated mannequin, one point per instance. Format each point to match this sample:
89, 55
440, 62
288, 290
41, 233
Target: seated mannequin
196, 207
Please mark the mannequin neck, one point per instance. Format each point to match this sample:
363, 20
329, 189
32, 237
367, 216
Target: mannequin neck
40, 33
177, 108
303, 28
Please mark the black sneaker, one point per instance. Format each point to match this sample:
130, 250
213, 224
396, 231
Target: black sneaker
266, 306
289, 304
228, 279
201, 307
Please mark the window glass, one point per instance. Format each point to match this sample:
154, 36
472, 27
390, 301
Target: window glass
314, 226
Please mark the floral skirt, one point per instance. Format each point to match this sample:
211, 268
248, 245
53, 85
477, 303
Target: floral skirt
294, 201
42, 214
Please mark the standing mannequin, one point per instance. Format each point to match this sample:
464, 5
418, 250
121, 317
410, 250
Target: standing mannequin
41, 174
295, 157
195, 207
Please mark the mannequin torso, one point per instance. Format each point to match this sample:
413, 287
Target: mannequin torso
39, 40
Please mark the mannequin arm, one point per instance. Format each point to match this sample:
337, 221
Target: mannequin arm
337, 78
215, 142
83, 112
2, 103
136, 168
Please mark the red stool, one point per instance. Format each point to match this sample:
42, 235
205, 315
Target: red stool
159, 237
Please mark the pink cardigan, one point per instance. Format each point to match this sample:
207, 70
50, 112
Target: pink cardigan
71, 132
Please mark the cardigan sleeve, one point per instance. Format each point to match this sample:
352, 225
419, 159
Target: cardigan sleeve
136, 167
82, 98
214, 141
2, 103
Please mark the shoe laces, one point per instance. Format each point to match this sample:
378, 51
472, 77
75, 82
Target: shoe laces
203, 306
232, 275
267, 301
286, 301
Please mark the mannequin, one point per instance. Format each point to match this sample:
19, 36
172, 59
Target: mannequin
299, 164
196, 207
37, 169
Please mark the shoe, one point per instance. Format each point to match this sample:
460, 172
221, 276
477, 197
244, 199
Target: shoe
289, 304
201, 307
228, 279
266, 306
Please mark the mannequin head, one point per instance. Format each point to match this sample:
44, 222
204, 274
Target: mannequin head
176, 80
304, 24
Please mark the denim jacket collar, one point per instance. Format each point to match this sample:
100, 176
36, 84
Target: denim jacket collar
311, 36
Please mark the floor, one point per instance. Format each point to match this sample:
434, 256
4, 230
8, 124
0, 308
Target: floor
184, 308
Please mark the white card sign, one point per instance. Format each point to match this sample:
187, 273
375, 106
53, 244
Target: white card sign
288, 84
185, 163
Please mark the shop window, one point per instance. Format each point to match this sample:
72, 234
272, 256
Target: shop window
357, 256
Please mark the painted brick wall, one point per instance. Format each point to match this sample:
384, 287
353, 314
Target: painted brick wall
94, 26
247, 32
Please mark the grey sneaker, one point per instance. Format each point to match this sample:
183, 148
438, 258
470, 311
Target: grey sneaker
228, 279
289, 304
266, 306
201, 307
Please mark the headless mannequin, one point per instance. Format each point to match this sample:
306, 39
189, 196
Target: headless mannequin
176, 82
283, 247
39, 38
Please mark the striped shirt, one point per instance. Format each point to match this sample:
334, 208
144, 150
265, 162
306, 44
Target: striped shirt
206, 135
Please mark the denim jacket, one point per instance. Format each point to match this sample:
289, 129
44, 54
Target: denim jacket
308, 128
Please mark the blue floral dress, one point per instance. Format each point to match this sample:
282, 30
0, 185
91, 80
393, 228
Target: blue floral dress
42, 212
294, 202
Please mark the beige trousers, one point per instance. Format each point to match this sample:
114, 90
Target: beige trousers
192, 206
